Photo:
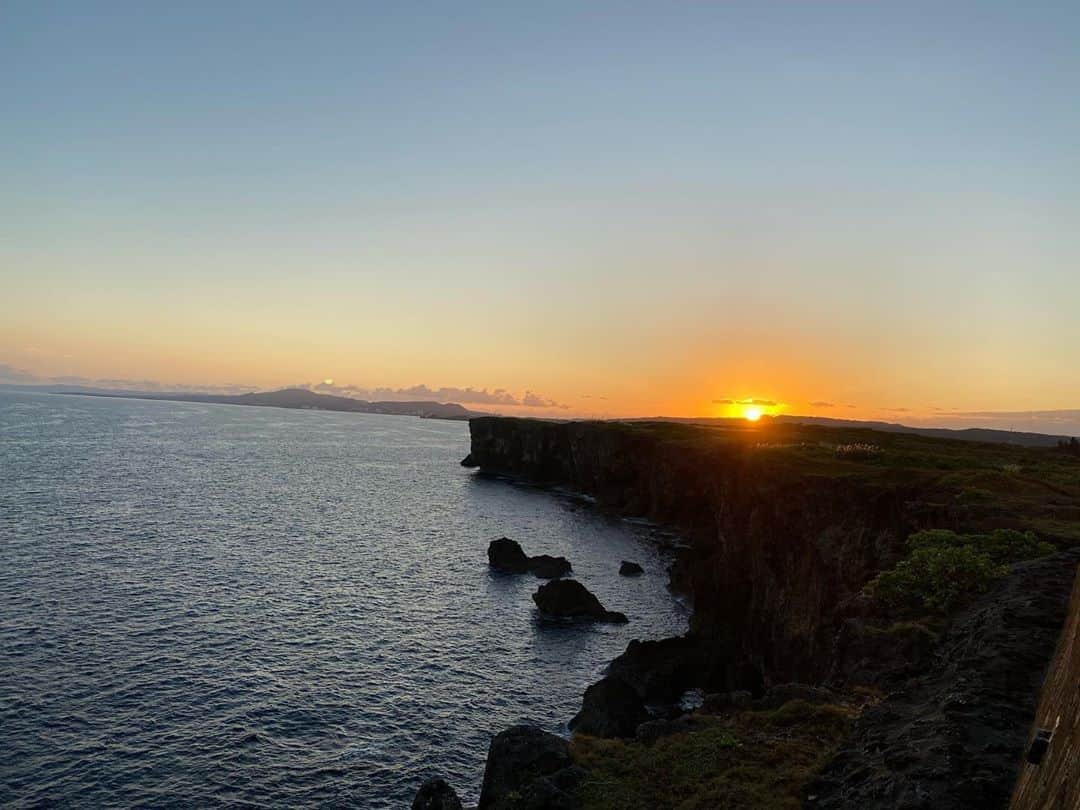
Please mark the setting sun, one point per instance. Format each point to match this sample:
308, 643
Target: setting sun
753, 413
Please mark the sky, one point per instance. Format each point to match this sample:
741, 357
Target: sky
864, 210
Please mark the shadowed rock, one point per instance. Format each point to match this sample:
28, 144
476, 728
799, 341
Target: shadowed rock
555, 792
630, 569
569, 599
660, 671
610, 708
506, 555
436, 794
469, 461
547, 567
517, 758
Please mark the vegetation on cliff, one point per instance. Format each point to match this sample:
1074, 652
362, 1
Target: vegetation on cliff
943, 569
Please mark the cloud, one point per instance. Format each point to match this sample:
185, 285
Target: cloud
533, 400
765, 403
823, 404
498, 397
16, 375
899, 410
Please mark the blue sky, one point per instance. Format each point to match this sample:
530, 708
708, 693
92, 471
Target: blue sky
873, 202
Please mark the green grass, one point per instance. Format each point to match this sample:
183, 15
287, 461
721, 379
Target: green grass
750, 759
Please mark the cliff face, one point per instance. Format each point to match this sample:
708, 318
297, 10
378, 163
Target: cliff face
955, 736
779, 553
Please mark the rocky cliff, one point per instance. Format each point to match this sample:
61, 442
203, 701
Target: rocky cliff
786, 525
779, 550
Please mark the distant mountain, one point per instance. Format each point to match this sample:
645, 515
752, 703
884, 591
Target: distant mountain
286, 398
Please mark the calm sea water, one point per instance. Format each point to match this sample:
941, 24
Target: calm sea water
208, 605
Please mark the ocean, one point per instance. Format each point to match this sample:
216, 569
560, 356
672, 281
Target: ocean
207, 605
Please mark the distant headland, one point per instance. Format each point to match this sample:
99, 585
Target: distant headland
299, 398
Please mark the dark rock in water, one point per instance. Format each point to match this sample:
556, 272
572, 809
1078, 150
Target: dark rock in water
436, 794
660, 671
547, 567
469, 461
777, 696
516, 758
630, 569
610, 708
506, 555
568, 598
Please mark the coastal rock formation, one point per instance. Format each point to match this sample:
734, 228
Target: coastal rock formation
468, 461
518, 757
436, 794
956, 736
545, 566
630, 569
506, 555
774, 550
660, 671
558, 791
569, 599
610, 708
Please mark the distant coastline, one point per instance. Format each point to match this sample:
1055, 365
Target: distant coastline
295, 398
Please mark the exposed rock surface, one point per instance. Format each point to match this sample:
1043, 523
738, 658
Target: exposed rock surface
506, 555
956, 736
569, 599
558, 791
630, 569
516, 759
436, 794
610, 708
547, 567
660, 671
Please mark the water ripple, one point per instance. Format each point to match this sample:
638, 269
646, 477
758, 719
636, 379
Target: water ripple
212, 605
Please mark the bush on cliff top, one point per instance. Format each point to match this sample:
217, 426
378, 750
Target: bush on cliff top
943, 569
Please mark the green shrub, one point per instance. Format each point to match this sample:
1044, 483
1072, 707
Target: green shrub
943, 569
